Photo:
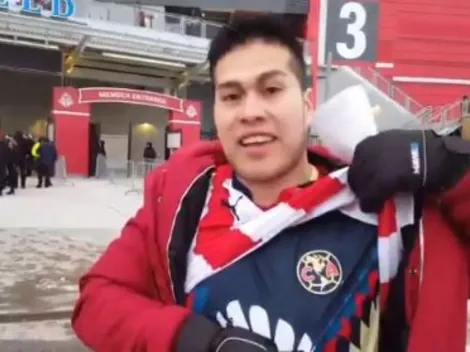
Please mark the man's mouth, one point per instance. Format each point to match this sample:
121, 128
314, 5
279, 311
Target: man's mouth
256, 139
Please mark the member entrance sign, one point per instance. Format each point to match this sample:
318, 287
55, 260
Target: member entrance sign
49, 8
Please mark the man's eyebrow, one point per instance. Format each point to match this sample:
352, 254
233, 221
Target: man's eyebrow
229, 84
271, 74
262, 77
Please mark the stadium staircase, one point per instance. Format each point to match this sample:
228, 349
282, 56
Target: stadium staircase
399, 110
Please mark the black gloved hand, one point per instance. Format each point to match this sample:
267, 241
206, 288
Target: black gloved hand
405, 161
201, 335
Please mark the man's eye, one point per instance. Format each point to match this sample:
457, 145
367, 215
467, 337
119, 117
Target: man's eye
273, 90
230, 97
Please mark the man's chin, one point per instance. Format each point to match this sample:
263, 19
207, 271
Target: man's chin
258, 173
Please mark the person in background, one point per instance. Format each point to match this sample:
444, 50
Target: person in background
10, 179
102, 149
465, 107
149, 157
22, 152
46, 162
4, 160
465, 118
149, 153
35, 155
29, 143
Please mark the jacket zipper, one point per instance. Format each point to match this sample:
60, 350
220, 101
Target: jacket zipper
173, 222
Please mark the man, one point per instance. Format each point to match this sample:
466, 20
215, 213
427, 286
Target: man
465, 106
150, 155
35, 149
185, 275
5, 157
29, 143
9, 164
47, 157
465, 118
102, 148
23, 150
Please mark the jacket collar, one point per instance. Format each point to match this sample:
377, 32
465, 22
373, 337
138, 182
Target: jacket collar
189, 172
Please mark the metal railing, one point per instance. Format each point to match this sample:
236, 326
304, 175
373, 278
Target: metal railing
444, 117
60, 172
152, 18
392, 91
128, 174
449, 112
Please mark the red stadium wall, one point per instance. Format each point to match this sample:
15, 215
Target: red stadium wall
427, 38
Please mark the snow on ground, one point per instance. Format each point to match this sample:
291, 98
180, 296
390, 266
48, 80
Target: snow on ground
77, 204
48, 239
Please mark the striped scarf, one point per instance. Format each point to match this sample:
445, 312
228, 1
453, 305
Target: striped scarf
225, 236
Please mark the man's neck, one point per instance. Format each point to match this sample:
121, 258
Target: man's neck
266, 193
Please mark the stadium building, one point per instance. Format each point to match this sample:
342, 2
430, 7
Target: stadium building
128, 72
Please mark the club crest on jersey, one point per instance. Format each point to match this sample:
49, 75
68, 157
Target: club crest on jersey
319, 272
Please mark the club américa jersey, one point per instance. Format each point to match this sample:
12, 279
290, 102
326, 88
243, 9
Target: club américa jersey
314, 287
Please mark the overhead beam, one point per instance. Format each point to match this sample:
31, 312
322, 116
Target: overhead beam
121, 78
194, 71
73, 56
113, 66
80, 48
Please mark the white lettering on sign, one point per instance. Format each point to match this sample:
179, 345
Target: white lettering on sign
135, 97
149, 98
114, 95
357, 13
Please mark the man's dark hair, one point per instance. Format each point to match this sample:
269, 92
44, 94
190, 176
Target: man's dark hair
268, 28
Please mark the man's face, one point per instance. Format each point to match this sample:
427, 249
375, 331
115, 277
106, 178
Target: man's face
260, 111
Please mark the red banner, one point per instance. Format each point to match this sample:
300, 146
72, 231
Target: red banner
129, 96
71, 126
65, 100
187, 121
190, 114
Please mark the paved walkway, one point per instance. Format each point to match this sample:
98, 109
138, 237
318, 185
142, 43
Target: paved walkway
48, 239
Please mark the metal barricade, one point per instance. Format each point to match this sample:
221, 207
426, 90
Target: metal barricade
101, 169
128, 174
138, 171
60, 172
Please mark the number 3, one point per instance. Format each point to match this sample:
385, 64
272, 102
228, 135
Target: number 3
356, 11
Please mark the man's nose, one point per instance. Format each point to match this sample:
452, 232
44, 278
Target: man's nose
253, 108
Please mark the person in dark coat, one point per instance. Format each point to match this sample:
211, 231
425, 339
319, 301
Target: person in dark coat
8, 173
102, 148
46, 162
22, 150
149, 153
29, 143
149, 157
4, 156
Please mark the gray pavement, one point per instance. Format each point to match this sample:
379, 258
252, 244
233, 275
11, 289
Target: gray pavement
41, 346
38, 285
45, 336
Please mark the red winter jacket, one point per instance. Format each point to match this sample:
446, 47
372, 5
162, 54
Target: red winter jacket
132, 299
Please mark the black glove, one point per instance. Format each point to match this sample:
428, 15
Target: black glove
405, 161
201, 335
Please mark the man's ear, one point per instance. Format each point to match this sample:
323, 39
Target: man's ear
308, 107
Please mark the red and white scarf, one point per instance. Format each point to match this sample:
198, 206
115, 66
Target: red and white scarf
223, 237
